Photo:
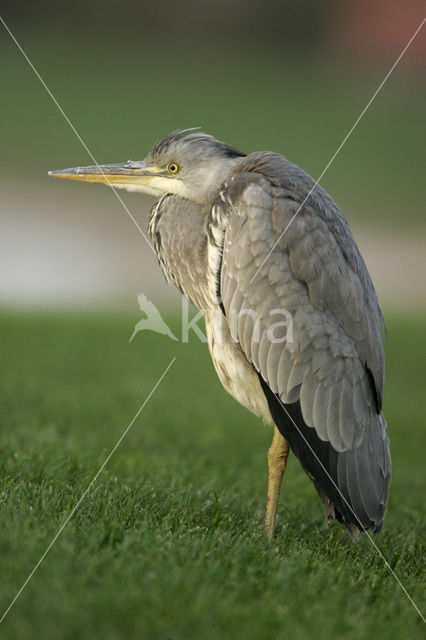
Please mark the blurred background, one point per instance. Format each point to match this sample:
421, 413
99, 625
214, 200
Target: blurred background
285, 76
184, 495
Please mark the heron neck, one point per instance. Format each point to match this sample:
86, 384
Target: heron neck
178, 230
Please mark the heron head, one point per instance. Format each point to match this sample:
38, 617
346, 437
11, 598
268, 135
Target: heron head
187, 163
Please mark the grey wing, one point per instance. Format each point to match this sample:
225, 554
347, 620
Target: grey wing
317, 344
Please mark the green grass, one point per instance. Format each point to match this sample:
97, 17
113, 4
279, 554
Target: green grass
168, 543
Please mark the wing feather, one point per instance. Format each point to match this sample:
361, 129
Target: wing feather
331, 361
320, 409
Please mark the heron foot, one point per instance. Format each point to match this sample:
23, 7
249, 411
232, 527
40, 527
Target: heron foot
277, 461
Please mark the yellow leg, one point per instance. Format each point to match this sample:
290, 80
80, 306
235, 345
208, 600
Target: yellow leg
277, 460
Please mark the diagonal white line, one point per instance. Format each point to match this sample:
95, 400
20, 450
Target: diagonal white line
172, 361
353, 512
345, 139
70, 515
75, 131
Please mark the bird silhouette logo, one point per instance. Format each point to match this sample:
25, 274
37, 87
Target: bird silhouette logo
153, 320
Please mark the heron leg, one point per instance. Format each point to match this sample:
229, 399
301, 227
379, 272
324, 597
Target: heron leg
277, 460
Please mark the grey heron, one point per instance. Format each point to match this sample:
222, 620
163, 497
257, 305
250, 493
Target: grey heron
243, 237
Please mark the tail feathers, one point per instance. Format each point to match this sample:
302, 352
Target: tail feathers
353, 484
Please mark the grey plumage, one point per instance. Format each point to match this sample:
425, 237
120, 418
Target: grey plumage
335, 365
219, 219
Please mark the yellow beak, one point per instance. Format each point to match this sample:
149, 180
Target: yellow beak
124, 173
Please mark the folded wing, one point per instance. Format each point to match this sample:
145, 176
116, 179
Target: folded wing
309, 321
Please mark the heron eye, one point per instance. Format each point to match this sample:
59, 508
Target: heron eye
173, 167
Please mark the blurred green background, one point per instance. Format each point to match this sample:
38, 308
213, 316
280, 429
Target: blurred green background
170, 543
286, 76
